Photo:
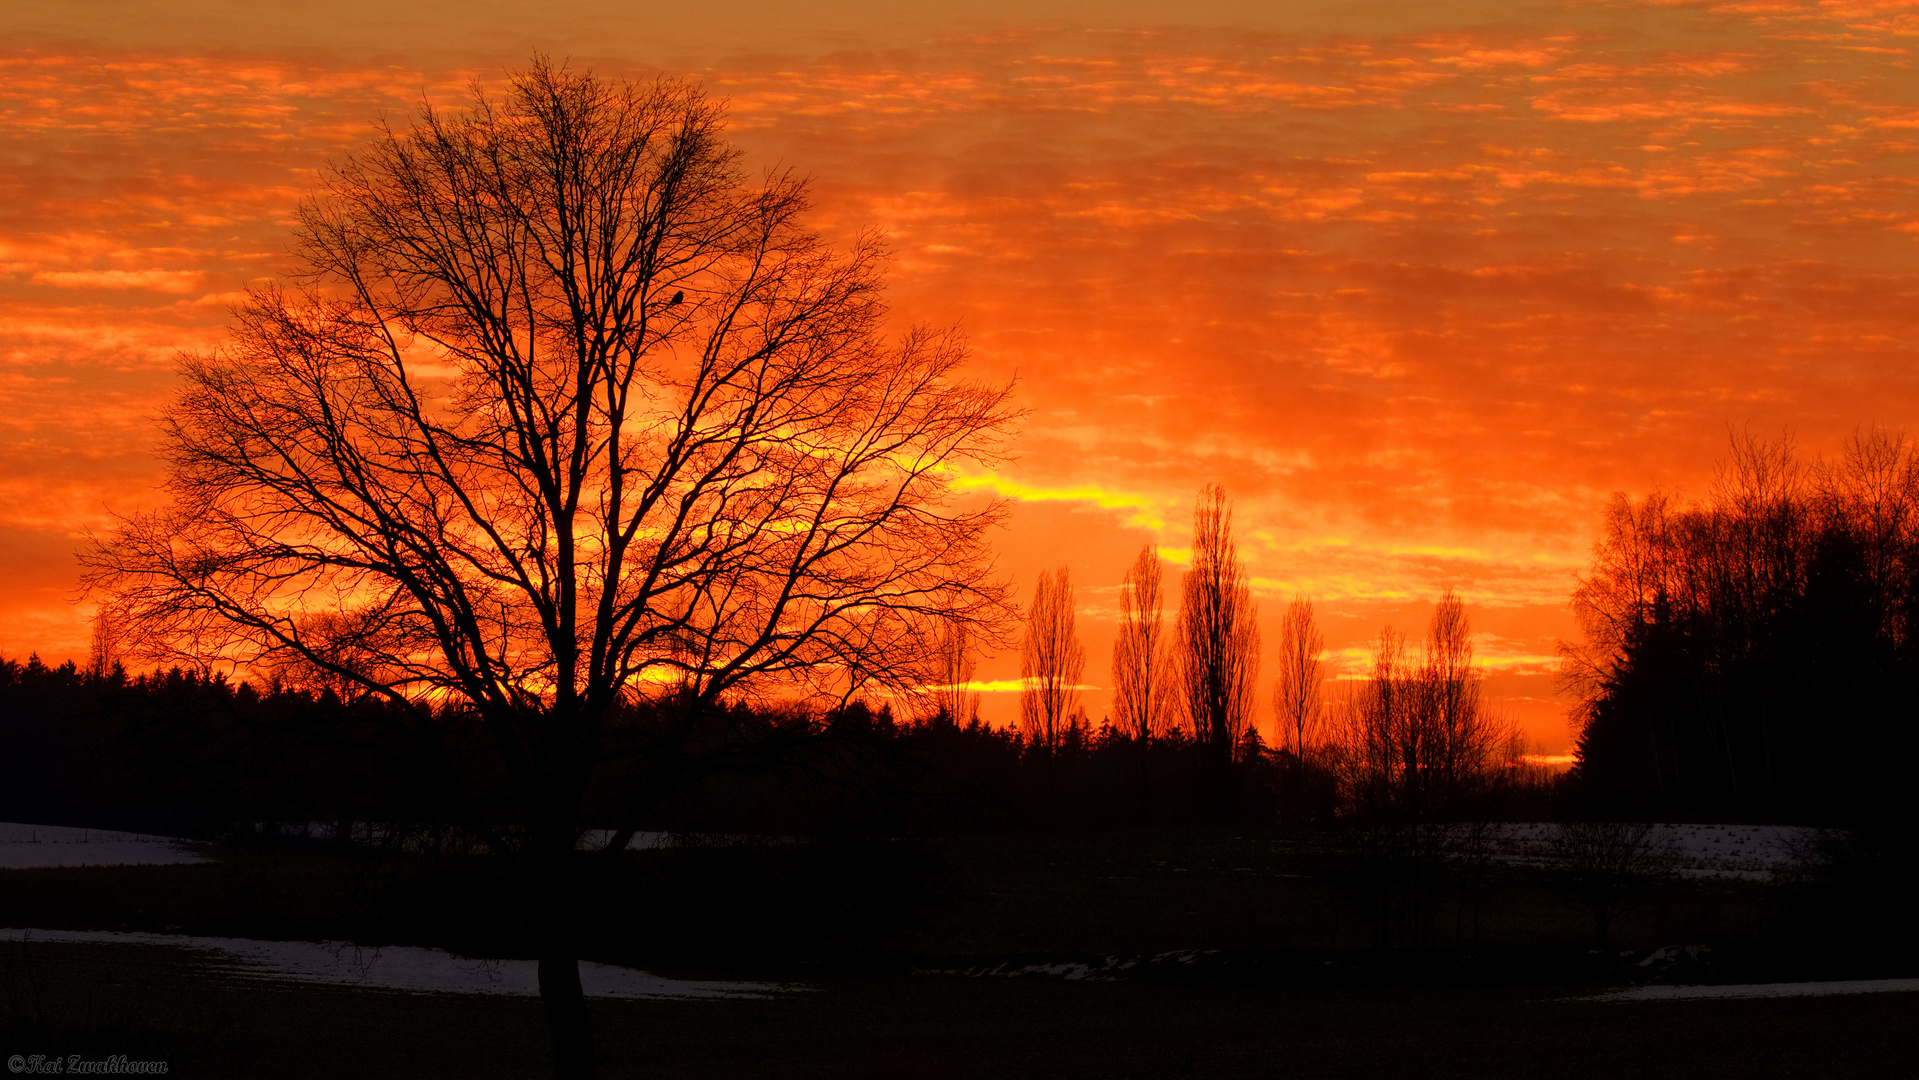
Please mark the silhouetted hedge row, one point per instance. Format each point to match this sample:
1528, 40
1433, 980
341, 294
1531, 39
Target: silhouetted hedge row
180, 753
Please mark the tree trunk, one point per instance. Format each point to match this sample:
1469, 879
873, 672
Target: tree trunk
566, 1016
555, 907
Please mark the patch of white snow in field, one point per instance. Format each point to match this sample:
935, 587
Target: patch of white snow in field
402, 967
1764, 990
595, 839
29, 847
1726, 851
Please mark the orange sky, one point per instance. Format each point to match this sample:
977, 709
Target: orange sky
1419, 283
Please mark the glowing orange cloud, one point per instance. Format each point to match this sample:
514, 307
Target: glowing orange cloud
1419, 295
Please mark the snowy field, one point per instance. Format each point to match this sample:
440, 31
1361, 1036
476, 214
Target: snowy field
26, 847
375, 834
1762, 990
1744, 851
401, 967
1753, 852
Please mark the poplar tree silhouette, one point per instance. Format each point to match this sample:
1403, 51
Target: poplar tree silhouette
1142, 682
1297, 695
1217, 634
1051, 661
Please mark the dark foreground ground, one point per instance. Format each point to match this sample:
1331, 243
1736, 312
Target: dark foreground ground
1298, 988
157, 1004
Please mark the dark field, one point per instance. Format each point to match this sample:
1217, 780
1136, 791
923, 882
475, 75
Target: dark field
1293, 990
158, 1004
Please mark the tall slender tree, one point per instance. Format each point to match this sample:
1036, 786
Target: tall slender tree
1463, 736
1217, 634
1051, 662
1141, 681
1297, 683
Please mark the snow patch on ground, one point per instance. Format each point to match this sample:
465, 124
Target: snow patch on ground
1753, 852
456, 839
1763, 990
402, 967
1111, 969
27, 847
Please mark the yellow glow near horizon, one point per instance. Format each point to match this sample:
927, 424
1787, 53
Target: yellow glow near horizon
1139, 508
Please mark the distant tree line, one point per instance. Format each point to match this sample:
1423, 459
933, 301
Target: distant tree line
185, 752
1195, 682
1410, 744
1756, 654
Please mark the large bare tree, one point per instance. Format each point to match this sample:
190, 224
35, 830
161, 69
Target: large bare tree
1141, 681
1217, 634
567, 430
1051, 661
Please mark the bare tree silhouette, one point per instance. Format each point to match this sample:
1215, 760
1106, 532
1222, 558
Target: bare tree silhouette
1372, 715
1217, 633
1051, 661
1297, 683
1415, 747
1719, 635
1417, 738
565, 416
107, 642
1872, 493
1142, 682
1606, 868
957, 661
1461, 738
